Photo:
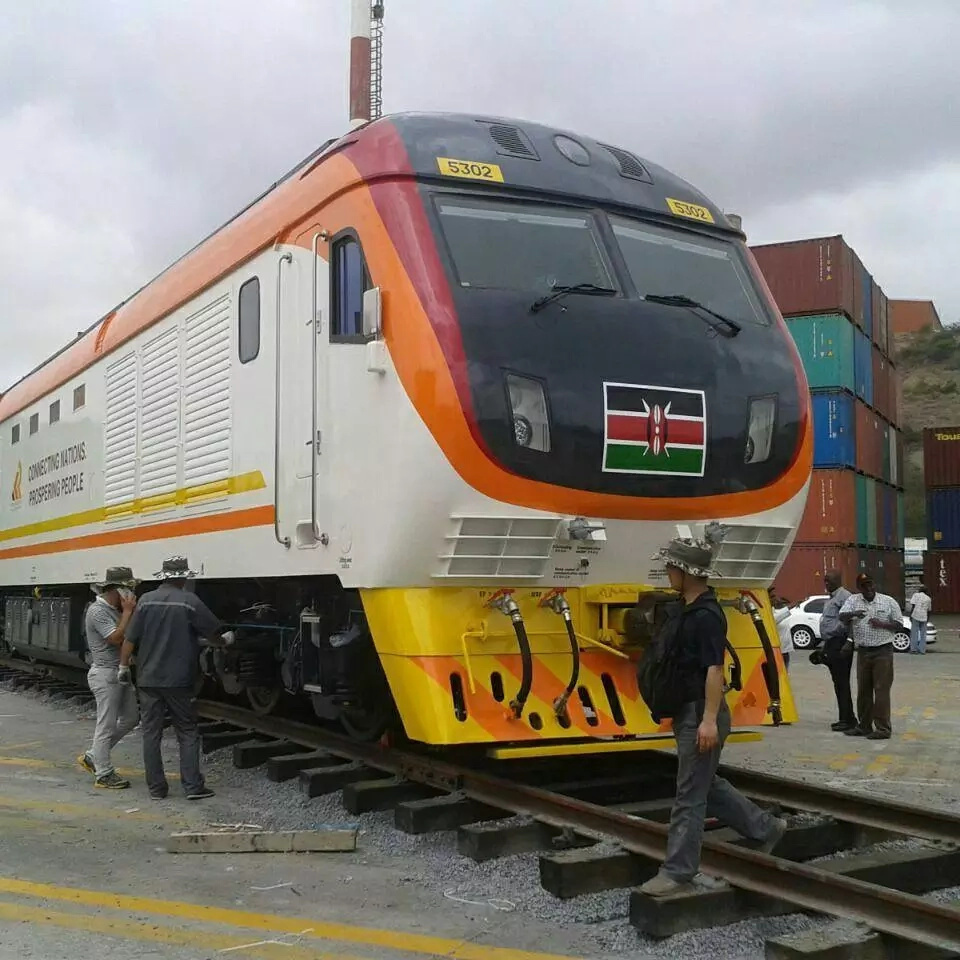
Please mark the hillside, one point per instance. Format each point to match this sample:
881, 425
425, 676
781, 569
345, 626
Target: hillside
929, 364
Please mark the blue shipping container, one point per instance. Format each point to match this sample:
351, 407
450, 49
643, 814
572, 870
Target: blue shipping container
863, 367
943, 516
834, 430
866, 282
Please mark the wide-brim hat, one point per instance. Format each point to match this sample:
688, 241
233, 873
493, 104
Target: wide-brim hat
691, 556
115, 577
176, 568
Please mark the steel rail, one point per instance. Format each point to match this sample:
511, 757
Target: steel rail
855, 808
888, 911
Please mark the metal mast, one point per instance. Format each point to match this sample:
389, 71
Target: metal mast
366, 60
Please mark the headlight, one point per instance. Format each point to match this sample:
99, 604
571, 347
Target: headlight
763, 418
528, 404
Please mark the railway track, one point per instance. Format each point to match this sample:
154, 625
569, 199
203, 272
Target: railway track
879, 890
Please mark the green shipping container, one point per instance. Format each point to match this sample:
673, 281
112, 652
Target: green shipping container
886, 454
866, 511
825, 345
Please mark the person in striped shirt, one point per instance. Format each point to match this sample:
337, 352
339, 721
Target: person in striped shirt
872, 619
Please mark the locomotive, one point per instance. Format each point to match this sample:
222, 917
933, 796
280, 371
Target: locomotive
421, 416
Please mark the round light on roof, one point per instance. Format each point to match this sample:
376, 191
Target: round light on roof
573, 151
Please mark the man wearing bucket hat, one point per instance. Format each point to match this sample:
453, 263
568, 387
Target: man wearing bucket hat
695, 644
105, 623
164, 634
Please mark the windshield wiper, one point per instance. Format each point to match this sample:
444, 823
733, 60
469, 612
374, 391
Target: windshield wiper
679, 300
561, 290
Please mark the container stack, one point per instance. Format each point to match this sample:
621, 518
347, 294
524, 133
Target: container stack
839, 318
941, 478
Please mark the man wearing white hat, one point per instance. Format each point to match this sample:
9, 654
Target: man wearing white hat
105, 624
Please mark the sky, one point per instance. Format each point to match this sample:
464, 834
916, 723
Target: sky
130, 130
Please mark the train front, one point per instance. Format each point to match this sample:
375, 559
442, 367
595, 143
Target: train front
615, 374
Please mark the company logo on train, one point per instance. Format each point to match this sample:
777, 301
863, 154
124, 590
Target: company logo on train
420, 416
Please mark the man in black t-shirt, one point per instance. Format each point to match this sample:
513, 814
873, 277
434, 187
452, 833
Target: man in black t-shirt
701, 726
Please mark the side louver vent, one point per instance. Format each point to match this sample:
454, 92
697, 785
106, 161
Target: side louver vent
511, 141
630, 166
751, 552
505, 548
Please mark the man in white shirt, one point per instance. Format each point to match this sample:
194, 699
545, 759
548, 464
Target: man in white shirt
872, 618
919, 608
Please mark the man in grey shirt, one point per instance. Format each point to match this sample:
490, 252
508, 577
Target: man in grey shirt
165, 634
105, 623
837, 653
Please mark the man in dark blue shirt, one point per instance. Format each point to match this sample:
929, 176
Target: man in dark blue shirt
165, 634
701, 726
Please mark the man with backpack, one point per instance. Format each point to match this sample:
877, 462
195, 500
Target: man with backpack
681, 676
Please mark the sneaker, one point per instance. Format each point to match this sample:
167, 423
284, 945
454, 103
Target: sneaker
663, 886
201, 794
876, 735
855, 732
158, 796
112, 782
86, 763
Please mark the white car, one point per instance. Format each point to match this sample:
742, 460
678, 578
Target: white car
804, 622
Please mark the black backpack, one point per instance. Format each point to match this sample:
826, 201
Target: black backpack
662, 678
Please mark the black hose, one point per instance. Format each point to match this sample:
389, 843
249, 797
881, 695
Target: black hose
560, 704
526, 660
771, 676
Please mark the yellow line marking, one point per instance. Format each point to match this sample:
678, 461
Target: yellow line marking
78, 810
431, 946
24, 762
929, 714
244, 483
170, 936
62, 765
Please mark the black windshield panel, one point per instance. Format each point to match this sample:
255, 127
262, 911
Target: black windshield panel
515, 246
706, 270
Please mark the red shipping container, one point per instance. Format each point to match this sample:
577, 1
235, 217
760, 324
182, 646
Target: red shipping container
831, 512
941, 577
941, 457
809, 276
869, 427
802, 573
893, 564
859, 307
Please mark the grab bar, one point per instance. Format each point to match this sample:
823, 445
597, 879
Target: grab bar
286, 257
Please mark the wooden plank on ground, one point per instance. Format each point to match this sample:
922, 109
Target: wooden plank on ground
333, 840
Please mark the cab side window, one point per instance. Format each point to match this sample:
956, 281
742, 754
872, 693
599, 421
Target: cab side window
349, 280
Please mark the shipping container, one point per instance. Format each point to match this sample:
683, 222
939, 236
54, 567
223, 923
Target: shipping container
943, 518
805, 566
941, 457
894, 454
834, 430
809, 276
887, 466
831, 512
896, 414
941, 577
866, 309
866, 511
825, 345
901, 521
880, 511
863, 367
886, 328
859, 272
889, 530
873, 562
868, 431
875, 314
894, 570
881, 384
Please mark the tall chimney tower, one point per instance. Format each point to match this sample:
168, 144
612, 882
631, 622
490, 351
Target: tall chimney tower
359, 62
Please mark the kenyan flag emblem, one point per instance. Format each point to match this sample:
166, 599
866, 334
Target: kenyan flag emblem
654, 430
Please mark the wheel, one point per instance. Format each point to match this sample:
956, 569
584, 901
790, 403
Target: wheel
901, 641
263, 700
366, 723
803, 638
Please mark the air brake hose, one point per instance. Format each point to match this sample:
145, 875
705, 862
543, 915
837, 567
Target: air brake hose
508, 606
771, 676
558, 603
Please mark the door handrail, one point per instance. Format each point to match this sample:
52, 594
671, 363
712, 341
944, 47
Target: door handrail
288, 258
314, 442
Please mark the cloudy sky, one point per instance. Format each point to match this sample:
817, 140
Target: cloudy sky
128, 130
